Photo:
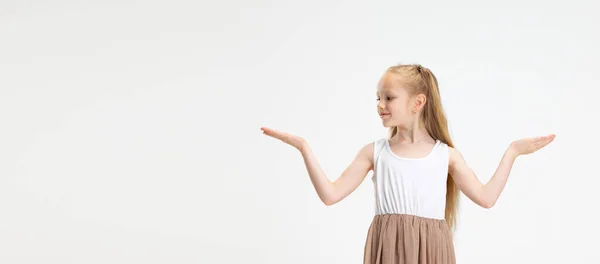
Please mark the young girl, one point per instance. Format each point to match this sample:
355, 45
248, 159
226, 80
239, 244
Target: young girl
417, 172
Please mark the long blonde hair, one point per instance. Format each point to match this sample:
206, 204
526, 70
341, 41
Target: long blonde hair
417, 80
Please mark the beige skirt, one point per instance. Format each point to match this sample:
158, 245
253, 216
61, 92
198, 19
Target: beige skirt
408, 239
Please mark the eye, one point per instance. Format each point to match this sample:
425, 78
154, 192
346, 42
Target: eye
387, 98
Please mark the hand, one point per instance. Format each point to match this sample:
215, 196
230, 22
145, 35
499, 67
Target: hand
529, 145
293, 140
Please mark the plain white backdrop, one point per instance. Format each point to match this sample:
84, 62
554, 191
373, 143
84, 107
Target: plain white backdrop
130, 130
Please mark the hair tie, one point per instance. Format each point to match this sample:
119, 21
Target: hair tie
419, 68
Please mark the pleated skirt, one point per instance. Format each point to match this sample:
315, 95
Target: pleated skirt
408, 239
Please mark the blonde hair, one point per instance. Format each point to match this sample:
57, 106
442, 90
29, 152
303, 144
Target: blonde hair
420, 80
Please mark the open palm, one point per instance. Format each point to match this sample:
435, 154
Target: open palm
293, 140
530, 145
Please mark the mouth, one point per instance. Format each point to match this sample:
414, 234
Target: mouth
384, 115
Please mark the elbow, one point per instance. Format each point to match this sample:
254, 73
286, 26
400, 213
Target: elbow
487, 204
330, 198
329, 201
485, 200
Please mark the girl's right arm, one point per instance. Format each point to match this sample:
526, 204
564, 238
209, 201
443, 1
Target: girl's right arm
333, 192
329, 192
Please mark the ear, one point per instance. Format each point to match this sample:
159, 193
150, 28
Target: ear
420, 100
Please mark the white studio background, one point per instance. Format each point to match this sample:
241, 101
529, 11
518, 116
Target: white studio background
130, 130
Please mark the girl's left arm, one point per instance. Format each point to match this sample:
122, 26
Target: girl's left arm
486, 195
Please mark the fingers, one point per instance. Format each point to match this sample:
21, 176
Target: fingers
544, 138
543, 141
274, 133
269, 131
548, 140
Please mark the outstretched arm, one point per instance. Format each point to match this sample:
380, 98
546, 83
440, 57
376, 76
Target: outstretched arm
329, 192
486, 195
332, 192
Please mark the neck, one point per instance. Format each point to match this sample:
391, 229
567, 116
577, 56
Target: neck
414, 133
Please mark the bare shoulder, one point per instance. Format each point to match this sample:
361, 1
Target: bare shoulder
455, 156
365, 154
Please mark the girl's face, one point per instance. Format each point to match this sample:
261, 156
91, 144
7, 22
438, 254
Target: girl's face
394, 104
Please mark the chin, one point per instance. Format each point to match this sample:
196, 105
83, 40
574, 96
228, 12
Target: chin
387, 123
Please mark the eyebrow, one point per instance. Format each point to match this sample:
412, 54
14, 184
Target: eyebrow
383, 92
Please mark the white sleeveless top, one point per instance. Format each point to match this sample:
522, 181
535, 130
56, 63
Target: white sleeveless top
415, 186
